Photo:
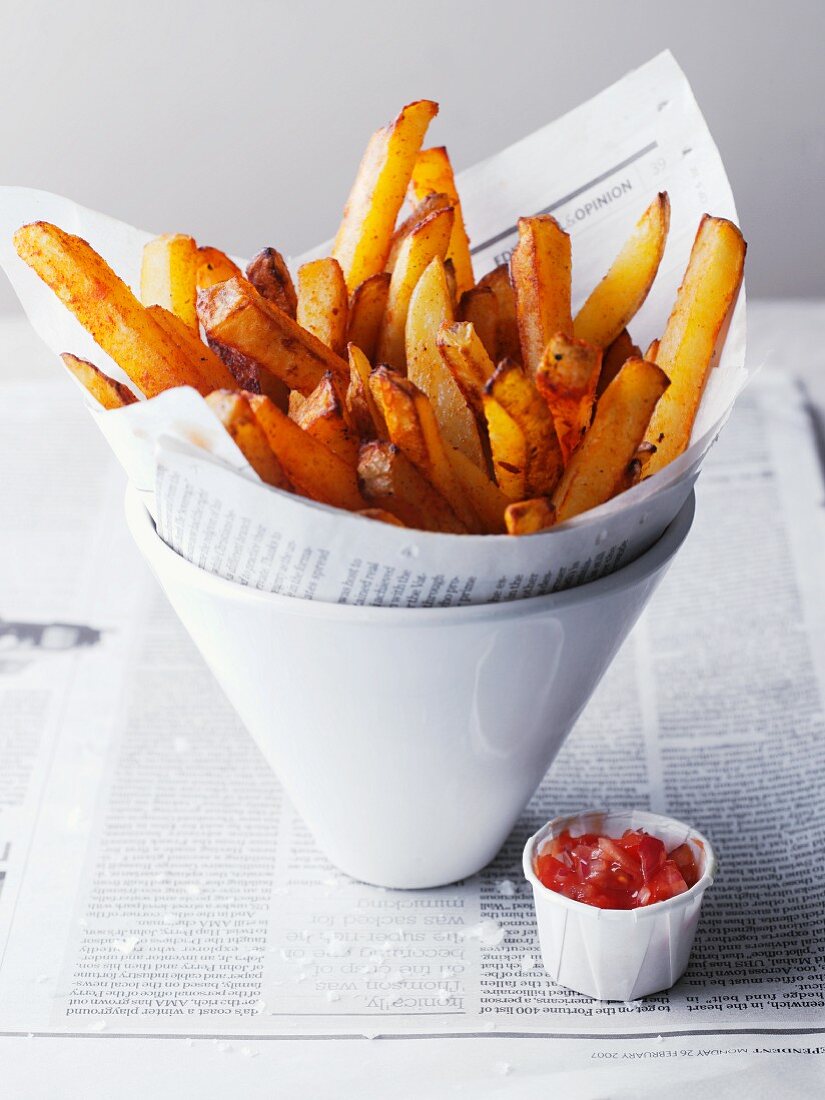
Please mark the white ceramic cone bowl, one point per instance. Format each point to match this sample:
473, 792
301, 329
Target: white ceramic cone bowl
409, 740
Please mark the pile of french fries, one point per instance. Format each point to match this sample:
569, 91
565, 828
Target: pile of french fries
387, 380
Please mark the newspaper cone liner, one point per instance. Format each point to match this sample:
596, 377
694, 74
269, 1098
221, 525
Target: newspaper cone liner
595, 169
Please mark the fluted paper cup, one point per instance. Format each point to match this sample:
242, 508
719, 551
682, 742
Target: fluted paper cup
618, 954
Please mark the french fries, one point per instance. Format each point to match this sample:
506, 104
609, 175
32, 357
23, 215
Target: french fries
106, 307
498, 280
540, 271
323, 303
615, 356
467, 360
324, 416
234, 412
237, 319
213, 373
381, 516
597, 469
105, 390
528, 517
527, 458
312, 467
364, 237
566, 379
430, 204
486, 499
214, 266
686, 351
432, 174
620, 294
392, 482
268, 273
366, 312
363, 412
168, 276
430, 308
428, 240
652, 351
479, 306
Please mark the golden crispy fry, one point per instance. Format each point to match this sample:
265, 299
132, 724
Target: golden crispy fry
105, 390
527, 458
527, 517
484, 496
233, 411
323, 303
615, 356
540, 269
421, 211
311, 466
433, 174
620, 294
270, 276
449, 275
365, 234
390, 480
412, 426
363, 412
323, 415
214, 266
168, 276
382, 516
598, 469
652, 351
635, 470
106, 307
294, 403
465, 356
213, 373
498, 280
686, 352
430, 308
366, 312
566, 379
428, 240
479, 306
237, 319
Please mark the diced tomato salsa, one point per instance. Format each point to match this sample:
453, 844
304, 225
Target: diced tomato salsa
623, 872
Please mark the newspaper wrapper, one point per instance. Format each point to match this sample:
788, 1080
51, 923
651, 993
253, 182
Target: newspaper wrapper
595, 169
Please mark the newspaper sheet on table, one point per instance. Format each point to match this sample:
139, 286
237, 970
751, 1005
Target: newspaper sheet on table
595, 170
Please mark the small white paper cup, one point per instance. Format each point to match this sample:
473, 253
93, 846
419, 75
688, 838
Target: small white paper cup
618, 954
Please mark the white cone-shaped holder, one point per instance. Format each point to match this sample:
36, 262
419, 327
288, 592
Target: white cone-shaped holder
410, 740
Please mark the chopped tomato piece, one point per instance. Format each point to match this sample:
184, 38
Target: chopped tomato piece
623, 872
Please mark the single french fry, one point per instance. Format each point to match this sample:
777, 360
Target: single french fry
615, 356
479, 306
433, 174
620, 294
213, 373
214, 266
688, 345
540, 271
233, 411
430, 308
268, 273
566, 379
366, 313
527, 517
108, 392
313, 468
498, 280
422, 210
381, 515
323, 303
365, 234
652, 351
392, 482
323, 415
106, 307
597, 470
237, 319
412, 426
468, 361
527, 458
168, 276
363, 412
427, 241
485, 497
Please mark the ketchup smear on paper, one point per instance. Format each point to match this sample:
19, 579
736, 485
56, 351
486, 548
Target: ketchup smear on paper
623, 872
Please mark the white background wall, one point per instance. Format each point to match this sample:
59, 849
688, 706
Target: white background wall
242, 123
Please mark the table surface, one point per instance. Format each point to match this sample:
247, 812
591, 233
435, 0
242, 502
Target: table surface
787, 335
